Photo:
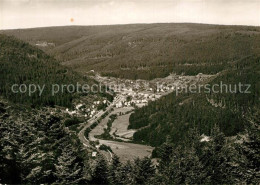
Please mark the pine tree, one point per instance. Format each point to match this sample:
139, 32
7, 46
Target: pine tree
192, 169
113, 170
100, 173
22, 159
250, 148
165, 152
221, 160
144, 170
125, 174
68, 169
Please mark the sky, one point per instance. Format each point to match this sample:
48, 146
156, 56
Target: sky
41, 13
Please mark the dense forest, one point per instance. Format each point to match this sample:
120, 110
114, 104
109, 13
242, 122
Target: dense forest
174, 115
146, 51
200, 138
36, 148
20, 63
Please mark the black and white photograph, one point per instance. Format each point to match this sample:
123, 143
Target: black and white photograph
129, 92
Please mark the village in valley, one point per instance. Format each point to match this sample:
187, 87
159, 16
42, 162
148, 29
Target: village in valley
137, 93
132, 93
96, 111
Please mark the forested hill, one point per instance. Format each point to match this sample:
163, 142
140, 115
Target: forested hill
145, 51
175, 115
21, 63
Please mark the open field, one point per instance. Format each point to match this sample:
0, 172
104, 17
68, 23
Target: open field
119, 127
125, 151
128, 151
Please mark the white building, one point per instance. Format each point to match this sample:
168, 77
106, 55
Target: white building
204, 138
94, 154
144, 101
78, 106
119, 105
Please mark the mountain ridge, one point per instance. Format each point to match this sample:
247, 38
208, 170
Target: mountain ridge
146, 51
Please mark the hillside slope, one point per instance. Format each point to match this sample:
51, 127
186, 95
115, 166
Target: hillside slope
146, 51
20, 63
175, 115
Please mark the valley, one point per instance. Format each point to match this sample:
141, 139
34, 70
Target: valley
143, 118
126, 151
130, 95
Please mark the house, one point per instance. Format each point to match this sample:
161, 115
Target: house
78, 106
43, 44
119, 105
94, 154
96, 102
72, 112
144, 101
204, 138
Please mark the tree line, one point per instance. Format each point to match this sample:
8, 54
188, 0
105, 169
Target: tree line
36, 148
174, 115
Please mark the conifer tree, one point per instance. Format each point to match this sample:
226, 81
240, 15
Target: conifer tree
250, 148
143, 170
113, 170
125, 173
100, 173
165, 151
68, 169
222, 162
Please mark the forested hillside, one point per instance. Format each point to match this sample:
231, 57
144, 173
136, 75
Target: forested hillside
146, 51
174, 115
36, 148
20, 63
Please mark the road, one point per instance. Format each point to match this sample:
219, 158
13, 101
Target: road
81, 134
125, 151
